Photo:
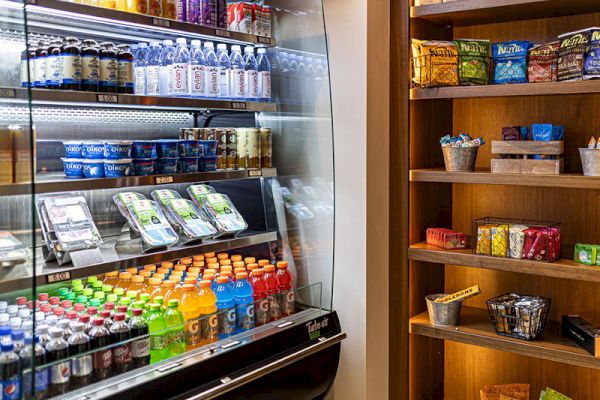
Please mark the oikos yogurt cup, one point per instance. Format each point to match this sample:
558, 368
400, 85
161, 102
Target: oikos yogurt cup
143, 149
73, 149
93, 168
143, 166
93, 150
73, 167
117, 149
188, 164
117, 168
167, 148
167, 165
190, 148
208, 164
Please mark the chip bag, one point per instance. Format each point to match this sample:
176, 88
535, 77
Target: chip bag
473, 61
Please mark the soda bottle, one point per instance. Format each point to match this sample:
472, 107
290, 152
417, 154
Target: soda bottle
237, 81
140, 348
81, 365
224, 71
107, 317
32, 349
272, 292
166, 63
180, 70
244, 302
211, 69
120, 332
286, 291
207, 300
175, 328
9, 372
225, 308
157, 329
102, 359
111, 278
57, 349
197, 73
85, 320
154, 288
18, 339
42, 331
264, 75
190, 309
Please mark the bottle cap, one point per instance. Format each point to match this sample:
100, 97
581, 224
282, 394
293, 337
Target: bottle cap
104, 314
137, 279
236, 257
139, 304
241, 275
112, 274
132, 270
208, 277
119, 291
63, 324
99, 296
24, 313
43, 297
39, 316
282, 264
71, 314
168, 284
92, 279
155, 307
142, 45
150, 267
209, 45
239, 264
42, 329
58, 311
137, 311
66, 304
98, 321
7, 346
154, 281
251, 267
159, 300
79, 307
262, 50
15, 322
145, 297
21, 301
226, 268
120, 316
110, 305
198, 257
173, 303
236, 47
263, 262
145, 274
56, 333
122, 309
85, 318
222, 279
248, 49
258, 272
125, 275
154, 44
221, 46
225, 262
92, 310
181, 41
17, 335
188, 288
269, 268
167, 42
205, 283
46, 308
196, 43
249, 260
77, 327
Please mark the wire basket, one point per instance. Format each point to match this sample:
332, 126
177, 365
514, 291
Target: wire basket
519, 316
444, 70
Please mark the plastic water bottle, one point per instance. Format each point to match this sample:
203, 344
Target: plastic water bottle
251, 73
197, 73
140, 64
264, 75
301, 74
211, 69
225, 307
309, 82
224, 70
180, 81
166, 64
153, 69
293, 79
238, 73
244, 302
32, 349
9, 372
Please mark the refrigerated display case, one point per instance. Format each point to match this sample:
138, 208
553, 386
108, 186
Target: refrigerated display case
78, 220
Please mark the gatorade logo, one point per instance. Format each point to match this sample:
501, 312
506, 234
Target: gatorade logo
250, 311
263, 305
290, 297
231, 315
193, 327
212, 321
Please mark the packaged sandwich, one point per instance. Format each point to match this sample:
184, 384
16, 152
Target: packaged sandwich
151, 223
190, 219
225, 216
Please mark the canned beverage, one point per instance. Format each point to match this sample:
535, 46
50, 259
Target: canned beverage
253, 148
231, 144
209, 134
266, 21
241, 148
221, 138
266, 148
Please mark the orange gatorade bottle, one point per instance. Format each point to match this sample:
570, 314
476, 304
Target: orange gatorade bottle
190, 308
154, 288
124, 281
137, 284
208, 312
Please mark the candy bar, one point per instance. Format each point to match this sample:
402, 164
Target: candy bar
516, 239
460, 295
484, 240
554, 244
500, 241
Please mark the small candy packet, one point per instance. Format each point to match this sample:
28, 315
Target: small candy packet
462, 140
484, 240
516, 239
592, 143
500, 240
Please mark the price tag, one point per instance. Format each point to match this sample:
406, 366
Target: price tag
8, 93
238, 105
58, 277
254, 172
223, 32
264, 40
107, 98
161, 22
161, 180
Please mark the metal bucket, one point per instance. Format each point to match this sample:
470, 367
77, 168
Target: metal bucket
460, 158
442, 314
590, 161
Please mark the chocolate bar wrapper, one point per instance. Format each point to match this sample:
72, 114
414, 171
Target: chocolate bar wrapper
516, 239
539, 250
500, 240
484, 240
554, 244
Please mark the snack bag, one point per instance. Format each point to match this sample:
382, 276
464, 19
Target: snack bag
516, 239
152, 224
551, 394
191, 220
225, 216
585, 254
484, 240
543, 63
473, 61
441, 62
571, 53
591, 66
510, 61
500, 240
420, 71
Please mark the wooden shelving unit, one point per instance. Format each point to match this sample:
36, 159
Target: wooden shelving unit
456, 362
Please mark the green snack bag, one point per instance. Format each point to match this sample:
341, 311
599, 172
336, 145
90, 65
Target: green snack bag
585, 254
551, 394
473, 61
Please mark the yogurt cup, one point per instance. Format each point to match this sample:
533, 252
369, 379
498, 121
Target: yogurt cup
117, 168
73, 149
167, 165
93, 168
143, 149
143, 166
208, 163
166, 148
73, 167
190, 148
93, 150
209, 147
189, 164
117, 149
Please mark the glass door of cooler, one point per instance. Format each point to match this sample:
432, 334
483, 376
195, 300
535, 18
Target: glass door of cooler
167, 224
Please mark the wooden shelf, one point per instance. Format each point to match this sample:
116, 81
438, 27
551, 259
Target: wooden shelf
566, 269
476, 12
476, 329
518, 89
572, 181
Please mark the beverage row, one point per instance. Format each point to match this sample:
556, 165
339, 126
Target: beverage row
161, 312
154, 70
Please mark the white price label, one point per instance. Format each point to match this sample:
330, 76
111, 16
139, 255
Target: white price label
107, 98
161, 22
254, 172
58, 277
161, 180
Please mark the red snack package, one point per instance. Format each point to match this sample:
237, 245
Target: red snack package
539, 248
531, 235
554, 244
446, 238
543, 63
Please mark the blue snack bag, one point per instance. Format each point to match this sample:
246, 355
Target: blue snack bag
591, 66
510, 61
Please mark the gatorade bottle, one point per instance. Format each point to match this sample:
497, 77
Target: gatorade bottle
272, 292
140, 348
102, 359
237, 84
166, 63
175, 324
207, 300
157, 329
33, 349
124, 281
190, 308
180, 70
10, 381
120, 332
261, 302
286, 292
225, 307
154, 288
175, 292
81, 366
264, 75
168, 288
58, 349
111, 278
244, 302
153, 84
137, 284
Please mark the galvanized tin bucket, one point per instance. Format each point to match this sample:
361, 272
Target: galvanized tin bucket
442, 314
460, 158
590, 161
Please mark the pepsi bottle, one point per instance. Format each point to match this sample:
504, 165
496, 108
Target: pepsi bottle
9, 372
81, 360
57, 349
40, 380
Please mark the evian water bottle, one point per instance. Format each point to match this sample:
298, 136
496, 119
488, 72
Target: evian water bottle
264, 75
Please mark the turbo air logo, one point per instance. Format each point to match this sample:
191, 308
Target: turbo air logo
314, 328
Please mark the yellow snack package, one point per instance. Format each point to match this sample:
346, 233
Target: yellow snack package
435, 63
500, 241
484, 240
